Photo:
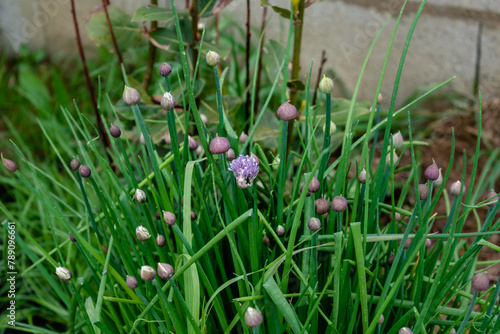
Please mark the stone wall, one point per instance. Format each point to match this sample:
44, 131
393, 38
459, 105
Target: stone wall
444, 43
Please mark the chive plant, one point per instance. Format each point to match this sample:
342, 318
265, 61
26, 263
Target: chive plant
216, 241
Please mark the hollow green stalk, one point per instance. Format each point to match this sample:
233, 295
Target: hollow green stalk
222, 129
281, 172
326, 145
172, 129
154, 162
461, 329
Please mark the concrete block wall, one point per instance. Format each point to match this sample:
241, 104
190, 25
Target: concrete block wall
443, 45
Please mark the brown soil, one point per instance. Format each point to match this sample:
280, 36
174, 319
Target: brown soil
466, 131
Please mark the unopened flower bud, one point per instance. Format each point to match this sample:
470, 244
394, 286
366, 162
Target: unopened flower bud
204, 118
333, 128
405, 330
219, 145
212, 58
276, 163
253, 317
165, 70
166, 137
169, 218
314, 185
142, 233
362, 176
407, 243
339, 204
199, 151
423, 191
396, 215
230, 155
131, 96
132, 282
326, 85
193, 216
115, 131
380, 98
428, 243
10, 165
302, 188
321, 206
380, 320
142, 140
456, 187
480, 282
148, 273
394, 158
432, 171
314, 224
439, 180
167, 101
243, 138
104, 249
192, 143
84, 171
165, 270
397, 139
280, 231
74, 164
140, 196
72, 237
493, 196
265, 240
287, 112
160, 240
254, 157
64, 273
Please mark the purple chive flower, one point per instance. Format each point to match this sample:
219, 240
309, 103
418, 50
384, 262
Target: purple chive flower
245, 170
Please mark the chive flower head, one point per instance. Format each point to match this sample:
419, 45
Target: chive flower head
245, 170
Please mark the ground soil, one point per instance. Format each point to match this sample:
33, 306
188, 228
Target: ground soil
466, 132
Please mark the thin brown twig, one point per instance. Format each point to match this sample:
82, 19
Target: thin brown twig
222, 4
146, 81
247, 64
100, 124
259, 66
320, 71
194, 28
217, 32
105, 4
299, 23
164, 47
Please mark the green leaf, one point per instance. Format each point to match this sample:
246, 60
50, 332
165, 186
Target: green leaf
296, 83
33, 89
205, 7
127, 34
153, 13
90, 309
283, 306
282, 11
166, 36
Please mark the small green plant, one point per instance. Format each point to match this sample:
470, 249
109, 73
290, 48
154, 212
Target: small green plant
214, 232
